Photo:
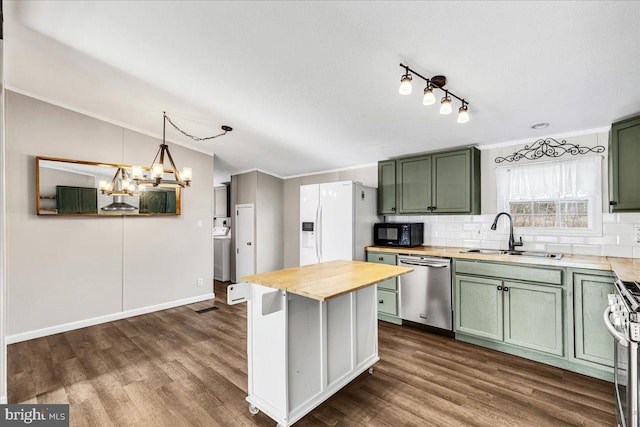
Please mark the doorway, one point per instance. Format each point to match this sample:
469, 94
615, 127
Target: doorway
245, 241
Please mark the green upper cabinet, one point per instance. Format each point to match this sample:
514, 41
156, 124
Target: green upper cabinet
624, 174
455, 186
387, 187
440, 183
76, 200
414, 184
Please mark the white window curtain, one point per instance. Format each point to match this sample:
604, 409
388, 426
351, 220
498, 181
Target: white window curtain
555, 180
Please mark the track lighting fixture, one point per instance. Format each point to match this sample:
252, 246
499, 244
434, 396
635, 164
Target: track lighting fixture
429, 98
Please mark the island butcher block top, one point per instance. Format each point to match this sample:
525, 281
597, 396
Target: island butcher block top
327, 279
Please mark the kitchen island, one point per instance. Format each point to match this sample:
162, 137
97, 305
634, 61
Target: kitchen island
310, 331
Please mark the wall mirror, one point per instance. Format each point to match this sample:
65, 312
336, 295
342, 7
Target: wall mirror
76, 187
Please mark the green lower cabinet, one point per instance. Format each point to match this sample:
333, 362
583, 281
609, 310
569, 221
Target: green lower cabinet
552, 315
388, 302
387, 289
389, 285
478, 307
526, 315
592, 341
533, 317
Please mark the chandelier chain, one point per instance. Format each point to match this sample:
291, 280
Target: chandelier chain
193, 137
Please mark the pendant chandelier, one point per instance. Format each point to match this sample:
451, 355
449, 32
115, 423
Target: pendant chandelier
155, 175
120, 185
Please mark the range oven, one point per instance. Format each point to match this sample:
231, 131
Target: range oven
621, 318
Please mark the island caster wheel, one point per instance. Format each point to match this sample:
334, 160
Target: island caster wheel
371, 370
253, 409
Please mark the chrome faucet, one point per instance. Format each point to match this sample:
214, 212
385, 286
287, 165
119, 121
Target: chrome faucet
512, 240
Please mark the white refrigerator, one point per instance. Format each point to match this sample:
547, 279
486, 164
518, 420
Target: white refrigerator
336, 221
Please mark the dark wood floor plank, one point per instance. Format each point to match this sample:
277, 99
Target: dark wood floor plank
178, 368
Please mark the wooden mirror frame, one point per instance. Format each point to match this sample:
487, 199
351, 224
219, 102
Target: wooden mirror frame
49, 212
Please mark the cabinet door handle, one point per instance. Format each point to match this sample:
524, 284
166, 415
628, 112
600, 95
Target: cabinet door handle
433, 208
380, 301
506, 289
613, 203
380, 259
499, 288
393, 209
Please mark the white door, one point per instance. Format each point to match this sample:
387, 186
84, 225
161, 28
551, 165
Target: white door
308, 227
245, 242
336, 221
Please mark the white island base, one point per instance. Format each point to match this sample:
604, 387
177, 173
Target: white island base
301, 350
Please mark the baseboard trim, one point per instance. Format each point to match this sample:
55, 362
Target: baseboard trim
24, 336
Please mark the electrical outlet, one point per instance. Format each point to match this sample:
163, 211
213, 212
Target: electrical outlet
200, 282
637, 229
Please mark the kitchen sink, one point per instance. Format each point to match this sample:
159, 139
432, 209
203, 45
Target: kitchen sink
535, 254
514, 253
484, 251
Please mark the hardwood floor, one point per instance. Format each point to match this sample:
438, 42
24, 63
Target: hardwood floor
176, 367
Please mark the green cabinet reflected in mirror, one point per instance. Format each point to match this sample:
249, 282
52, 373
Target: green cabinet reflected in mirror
75, 187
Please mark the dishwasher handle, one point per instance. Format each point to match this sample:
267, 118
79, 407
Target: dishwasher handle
418, 264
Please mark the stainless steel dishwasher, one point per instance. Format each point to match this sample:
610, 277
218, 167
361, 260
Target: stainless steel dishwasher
425, 293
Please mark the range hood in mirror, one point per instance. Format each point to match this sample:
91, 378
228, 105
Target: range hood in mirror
119, 205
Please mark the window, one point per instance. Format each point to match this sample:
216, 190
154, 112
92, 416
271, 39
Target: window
561, 197
551, 214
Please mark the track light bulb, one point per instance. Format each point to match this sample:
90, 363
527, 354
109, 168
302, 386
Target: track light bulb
463, 114
429, 98
405, 85
445, 105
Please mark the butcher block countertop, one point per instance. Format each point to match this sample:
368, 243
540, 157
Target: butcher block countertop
328, 279
625, 268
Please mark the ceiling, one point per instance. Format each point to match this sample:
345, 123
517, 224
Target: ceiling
313, 86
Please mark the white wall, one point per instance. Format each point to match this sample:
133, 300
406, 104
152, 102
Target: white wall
265, 192
269, 229
62, 270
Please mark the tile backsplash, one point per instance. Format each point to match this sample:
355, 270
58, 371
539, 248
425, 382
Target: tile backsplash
474, 231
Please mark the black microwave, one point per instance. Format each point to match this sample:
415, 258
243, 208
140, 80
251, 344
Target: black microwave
402, 234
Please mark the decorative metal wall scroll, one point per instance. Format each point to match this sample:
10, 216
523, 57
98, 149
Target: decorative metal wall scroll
551, 148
